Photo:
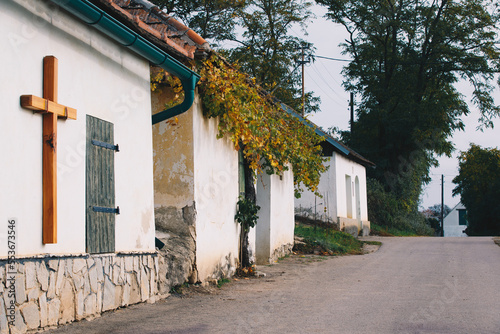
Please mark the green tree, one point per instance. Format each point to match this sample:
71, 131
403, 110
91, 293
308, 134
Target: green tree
407, 57
478, 184
261, 30
211, 19
269, 52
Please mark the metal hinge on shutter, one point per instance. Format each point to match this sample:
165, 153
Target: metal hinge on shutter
106, 210
106, 145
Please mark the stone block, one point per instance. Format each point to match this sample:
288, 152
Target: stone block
118, 295
20, 267
144, 283
86, 285
135, 293
136, 263
78, 280
99, 270
67, 302
19, 325
99, 299
108, 300
116, 275
54, 310
30, 275
93, 278
90, 305
105, 265
60, 276
4, 329
20, 289
126, 295
78, 265
33, 294
129, 263
31, 315
53, 264
69, 268
42, 275
80, 304
51, 292
42, 301
90, 262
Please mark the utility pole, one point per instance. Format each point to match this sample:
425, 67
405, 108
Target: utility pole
303, 62
351, 103
442, 205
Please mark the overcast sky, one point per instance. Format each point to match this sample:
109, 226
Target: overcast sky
325, 79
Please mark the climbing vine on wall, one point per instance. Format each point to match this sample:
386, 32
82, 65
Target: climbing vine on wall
270, 137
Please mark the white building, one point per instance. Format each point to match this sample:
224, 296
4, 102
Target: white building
342, 188
455, 222
77, 206
198, 180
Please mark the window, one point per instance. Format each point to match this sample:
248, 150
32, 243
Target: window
462, 217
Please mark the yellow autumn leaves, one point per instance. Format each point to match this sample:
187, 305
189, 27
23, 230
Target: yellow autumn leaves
270, 137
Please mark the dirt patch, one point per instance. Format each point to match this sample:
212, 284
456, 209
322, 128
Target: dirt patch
497, 240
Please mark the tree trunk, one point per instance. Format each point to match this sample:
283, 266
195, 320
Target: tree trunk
251, 196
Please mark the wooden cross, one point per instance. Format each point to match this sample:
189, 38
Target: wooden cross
51, 111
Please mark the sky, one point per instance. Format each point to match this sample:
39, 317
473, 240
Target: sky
325, 79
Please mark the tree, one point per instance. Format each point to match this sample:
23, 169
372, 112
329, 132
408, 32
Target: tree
435, 210
212, 19
478, 184
407, 57
266, 50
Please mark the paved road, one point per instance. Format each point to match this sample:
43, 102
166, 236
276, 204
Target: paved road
410, 285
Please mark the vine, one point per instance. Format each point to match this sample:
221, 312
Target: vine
270, 137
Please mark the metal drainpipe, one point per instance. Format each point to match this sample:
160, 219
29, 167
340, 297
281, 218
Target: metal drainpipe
94, 16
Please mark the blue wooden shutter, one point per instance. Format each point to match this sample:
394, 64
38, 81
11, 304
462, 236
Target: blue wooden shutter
100, 187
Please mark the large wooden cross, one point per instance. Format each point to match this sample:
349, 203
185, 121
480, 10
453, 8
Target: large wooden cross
51, 111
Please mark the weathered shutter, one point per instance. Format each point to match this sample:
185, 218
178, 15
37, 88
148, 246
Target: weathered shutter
100, 186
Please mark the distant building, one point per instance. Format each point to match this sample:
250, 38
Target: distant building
455, 222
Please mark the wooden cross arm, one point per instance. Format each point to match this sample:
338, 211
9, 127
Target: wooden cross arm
39, 104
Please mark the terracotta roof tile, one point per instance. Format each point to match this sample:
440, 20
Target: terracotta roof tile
153, 24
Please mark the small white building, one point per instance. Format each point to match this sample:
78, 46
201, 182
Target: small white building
455, 222
342, 188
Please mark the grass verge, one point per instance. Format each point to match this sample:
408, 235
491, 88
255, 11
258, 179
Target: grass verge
321, 240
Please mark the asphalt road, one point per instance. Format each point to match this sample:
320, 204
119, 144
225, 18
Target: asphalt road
410, 285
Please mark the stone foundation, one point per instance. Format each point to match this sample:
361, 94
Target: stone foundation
281, 251
51, 291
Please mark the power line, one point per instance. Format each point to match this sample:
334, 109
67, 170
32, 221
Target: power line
330, 58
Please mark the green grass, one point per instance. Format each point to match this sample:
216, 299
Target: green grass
327, 240
222, 281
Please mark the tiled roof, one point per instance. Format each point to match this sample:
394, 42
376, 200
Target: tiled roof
153, 24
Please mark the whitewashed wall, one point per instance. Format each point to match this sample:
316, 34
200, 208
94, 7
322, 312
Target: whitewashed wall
96, 77
325, 207
334, 205
450, 223
345, 167
276, 223
216, 193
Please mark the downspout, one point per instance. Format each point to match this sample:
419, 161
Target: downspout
94, 16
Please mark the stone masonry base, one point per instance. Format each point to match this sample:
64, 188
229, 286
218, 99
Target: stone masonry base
44, 292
